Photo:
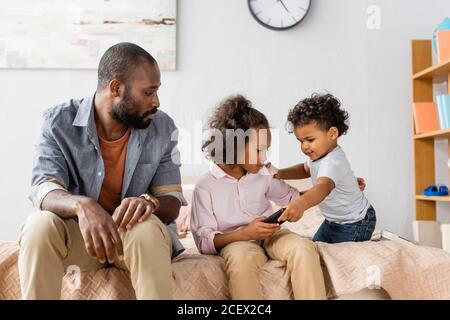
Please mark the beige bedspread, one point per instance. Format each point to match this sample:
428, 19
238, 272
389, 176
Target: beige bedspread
404, 270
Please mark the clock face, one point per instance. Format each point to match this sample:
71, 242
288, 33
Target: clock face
279, 14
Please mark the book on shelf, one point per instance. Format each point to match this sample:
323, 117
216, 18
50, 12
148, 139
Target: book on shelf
443, 45
425, 117
443, 107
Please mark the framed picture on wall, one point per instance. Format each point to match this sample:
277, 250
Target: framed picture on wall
70, 34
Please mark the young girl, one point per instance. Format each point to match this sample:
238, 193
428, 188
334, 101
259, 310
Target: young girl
317, 122
231, 200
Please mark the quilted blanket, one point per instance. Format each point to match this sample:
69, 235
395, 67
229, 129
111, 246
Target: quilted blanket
403, 270
364, 270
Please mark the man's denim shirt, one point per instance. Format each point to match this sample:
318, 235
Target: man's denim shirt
68, 157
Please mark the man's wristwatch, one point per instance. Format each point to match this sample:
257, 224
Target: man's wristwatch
154, 201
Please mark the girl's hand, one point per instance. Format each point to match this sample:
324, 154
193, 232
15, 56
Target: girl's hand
361, 184
259, 230
293, 212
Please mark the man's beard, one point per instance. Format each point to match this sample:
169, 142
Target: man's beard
123, 112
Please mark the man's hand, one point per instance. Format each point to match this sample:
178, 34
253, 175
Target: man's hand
131, 211
259, 230
99, 232
361, 184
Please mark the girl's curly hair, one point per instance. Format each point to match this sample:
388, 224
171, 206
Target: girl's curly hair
324, 110
234, 113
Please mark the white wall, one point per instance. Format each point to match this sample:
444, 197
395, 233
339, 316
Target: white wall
222, 50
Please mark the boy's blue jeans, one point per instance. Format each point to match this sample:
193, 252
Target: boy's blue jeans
362, 230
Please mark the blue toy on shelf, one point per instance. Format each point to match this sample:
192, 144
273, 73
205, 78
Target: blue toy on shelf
436, 190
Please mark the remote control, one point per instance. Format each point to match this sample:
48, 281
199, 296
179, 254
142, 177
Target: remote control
274, 217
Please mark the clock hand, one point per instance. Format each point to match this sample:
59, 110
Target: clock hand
281, 1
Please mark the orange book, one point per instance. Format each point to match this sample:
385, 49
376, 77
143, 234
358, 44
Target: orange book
425, 117
443, 45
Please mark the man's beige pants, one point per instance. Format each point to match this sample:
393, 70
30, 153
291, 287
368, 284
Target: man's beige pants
49, 244
244, 260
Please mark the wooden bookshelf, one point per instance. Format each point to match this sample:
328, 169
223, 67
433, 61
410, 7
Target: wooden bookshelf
438, 73
425, 198
424, 75
439, 134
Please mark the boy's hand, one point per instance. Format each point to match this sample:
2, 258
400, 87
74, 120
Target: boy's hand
259, 230
361, 184
293, 212
273, 171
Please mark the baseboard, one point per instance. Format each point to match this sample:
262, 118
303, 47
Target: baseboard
428, 233
445, 228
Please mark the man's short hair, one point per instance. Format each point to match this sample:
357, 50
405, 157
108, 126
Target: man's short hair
119, 61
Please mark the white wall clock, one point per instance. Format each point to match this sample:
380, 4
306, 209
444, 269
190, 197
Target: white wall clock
279, 14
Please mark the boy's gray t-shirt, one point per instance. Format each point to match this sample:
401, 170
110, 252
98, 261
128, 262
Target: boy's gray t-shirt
346, 203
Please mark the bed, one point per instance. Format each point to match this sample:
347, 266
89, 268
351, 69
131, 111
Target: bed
377, 269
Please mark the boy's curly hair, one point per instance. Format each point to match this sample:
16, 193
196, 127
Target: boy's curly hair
322, 109
235, 112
